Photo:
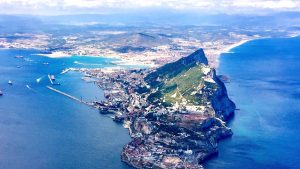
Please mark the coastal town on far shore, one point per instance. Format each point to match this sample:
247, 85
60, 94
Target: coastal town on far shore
136, 46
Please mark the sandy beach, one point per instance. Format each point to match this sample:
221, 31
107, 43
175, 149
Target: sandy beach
57, 54
227, 49
215, 60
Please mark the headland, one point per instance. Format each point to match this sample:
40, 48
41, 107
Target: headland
175, 114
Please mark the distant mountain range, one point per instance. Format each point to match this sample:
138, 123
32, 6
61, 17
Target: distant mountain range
29, 23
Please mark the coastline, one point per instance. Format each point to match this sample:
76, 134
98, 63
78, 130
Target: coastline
146, 138
57, 54
145, 61
247, 124
228, 49
124, 61
120, 62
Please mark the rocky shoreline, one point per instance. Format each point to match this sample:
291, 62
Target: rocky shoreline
168, 132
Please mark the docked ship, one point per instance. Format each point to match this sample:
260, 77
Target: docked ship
52, 77
52, 80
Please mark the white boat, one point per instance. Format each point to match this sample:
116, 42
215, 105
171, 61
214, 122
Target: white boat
1, 93
52, 77
19, 56
52, 80
10, 82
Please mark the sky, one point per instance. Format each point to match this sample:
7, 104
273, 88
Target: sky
54, 7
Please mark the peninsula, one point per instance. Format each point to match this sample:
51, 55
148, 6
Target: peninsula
175, 114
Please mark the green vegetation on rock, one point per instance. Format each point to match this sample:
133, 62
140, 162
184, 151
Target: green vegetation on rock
181, 82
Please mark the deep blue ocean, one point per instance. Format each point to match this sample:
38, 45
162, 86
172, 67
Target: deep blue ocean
265, 85
41, 129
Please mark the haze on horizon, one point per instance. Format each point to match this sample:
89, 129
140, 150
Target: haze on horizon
58, 7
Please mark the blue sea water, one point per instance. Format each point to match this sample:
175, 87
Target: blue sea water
41, 129
265, 85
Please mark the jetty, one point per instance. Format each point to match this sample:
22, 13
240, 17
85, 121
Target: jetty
65, 71
70, 96
50, 79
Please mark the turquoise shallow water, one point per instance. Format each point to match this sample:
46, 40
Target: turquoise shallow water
42, 129
265, 85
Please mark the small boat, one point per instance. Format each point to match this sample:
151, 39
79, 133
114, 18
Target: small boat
20, 57
10, 82
39, 79
28, 59
52, 77
1, 93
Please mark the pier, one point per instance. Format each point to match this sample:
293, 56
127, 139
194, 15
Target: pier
50, 79
69, 96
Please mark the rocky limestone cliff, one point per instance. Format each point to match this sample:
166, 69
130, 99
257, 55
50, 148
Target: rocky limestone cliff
221, 103
185, 119
197, 56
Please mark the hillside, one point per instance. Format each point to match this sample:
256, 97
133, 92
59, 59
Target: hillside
137, 40
175, 114
173, 69
191, 84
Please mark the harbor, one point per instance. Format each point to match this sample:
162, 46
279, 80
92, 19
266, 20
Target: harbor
50, 126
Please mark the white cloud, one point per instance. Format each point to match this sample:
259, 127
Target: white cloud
27, 6
279, 4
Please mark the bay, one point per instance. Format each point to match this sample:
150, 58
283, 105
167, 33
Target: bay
43, 129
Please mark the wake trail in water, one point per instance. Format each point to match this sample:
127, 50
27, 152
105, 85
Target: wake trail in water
30, 88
